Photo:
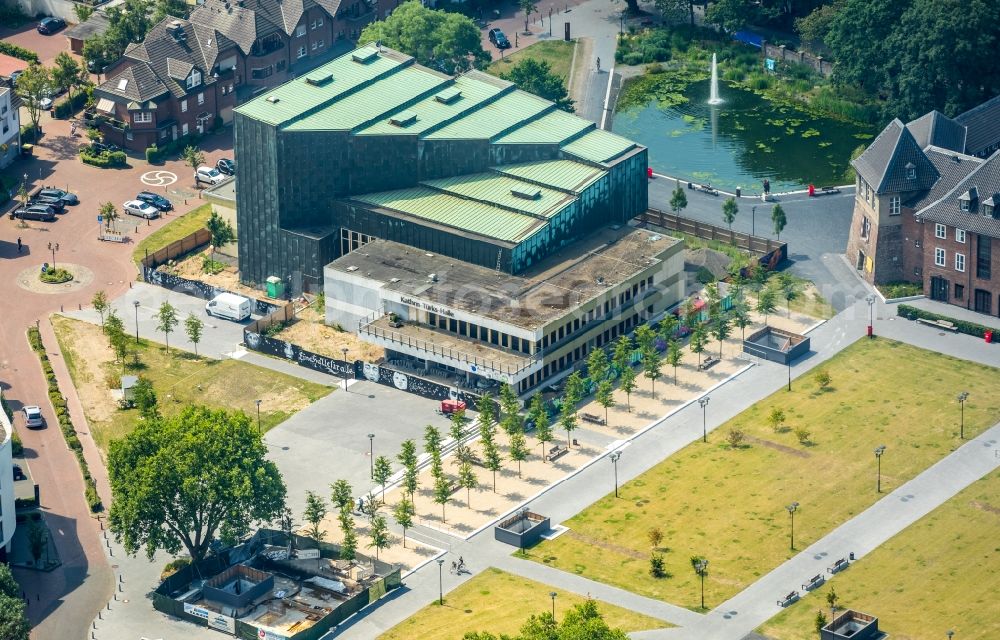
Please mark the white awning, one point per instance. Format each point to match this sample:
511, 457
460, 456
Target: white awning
106, 105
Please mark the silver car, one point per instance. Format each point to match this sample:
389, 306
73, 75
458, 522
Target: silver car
33, 418
141, 209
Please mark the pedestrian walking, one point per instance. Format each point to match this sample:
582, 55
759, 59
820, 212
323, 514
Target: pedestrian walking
598, 65
72, 129
19, 244
767, 186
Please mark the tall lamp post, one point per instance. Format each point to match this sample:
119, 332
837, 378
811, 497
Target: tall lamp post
753, 220
962, 397
703, 403
701, 567
53, 247
258, 416
949, 633
792, 508
870, 299
344, 351
614, 461
440, 582
621, 23
879, 450
371, 454
552, 594
136, 305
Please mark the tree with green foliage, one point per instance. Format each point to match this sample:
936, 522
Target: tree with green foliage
741, 317
536, 76
567, 420
408, 458
82, 11
678, 199
14, 624
166, 318
487, 412
721, 329
815, 27
114, 327
382, 471
32, 85
674, 355
731, 15
776, 418
820, 621
67, 73
457, 433
789, 290
573, 391
492, 459
402, 513
597, 365
622, 355
698, 341
193, 158
605, 397
128, 23
583, 622
314, 513
183, 480
442, 491
108, 213
169, 8
443, 40
667, 327
539, 416
713, 298
528, 7
859, 36
467, 480
144, 397
652, 367
349, 542
222, 232
432, 441
778, 219
729, 211
518, 450
512, 422
342, 495
645, 337
379, 534
194, 326
100, 304
627, 384
765, 303
38, 540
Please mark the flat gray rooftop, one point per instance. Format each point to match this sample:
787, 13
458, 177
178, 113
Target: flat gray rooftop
563, 281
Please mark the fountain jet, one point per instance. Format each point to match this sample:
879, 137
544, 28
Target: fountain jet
714, 96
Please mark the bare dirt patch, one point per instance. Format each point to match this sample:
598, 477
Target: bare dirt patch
597, 542
985, 506
779, 447
309, 332
85, 355
191, 268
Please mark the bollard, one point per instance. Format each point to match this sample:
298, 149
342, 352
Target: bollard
79, 307
109, 606
94, 624
120, 578
119, 587
100, 615
60, 308
129, 286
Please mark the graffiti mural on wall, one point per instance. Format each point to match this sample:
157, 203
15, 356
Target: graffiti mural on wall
298, 355
198, 289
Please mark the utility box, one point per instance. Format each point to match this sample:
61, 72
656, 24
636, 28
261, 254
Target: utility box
275, 287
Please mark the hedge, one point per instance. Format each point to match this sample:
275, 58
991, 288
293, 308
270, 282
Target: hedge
104, 159
963, 326
66, 108
18, 52
65, 423
156, 154
28, 130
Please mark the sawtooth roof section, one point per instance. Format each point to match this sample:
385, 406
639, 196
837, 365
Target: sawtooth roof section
935, 128
564, 175
555, 127
599, 146
499, 189
985, 179
496, 118
982, 124
884, 163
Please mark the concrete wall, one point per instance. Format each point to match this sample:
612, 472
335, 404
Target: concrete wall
8, 521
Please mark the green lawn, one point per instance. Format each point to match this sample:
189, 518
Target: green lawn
558, 53
938, 574
729, 504
179, 227
500, 602
179, 379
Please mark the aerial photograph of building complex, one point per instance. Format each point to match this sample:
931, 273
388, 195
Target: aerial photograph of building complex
499, 320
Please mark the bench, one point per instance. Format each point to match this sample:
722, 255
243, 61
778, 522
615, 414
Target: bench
814, 582
941, 324
826, 191
789, 599
555, 453
708, 363
707, 188
589, 417
839, 565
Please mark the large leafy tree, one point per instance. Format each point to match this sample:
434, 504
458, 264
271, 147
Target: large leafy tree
13, 617
179, 482
858, 38
222, 232
732, 15
31, 86
441, 40
535, 76
67, 73
127, 23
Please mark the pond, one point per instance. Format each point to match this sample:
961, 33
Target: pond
742, 141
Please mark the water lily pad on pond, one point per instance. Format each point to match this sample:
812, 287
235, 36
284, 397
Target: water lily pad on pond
823, 145
676, 133
809, 133
864, 136
789, 131
688, 118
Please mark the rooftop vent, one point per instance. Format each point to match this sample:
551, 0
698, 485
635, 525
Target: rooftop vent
449, 95
366, 55
429, 255
352, 268
528, 193
403, 119
176, 29
273, 99
393, 280
122, 83
319, 79
433, 277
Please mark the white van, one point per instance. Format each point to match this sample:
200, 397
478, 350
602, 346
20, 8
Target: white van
229, 306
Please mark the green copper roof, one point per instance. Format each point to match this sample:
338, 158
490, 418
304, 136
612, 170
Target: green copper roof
553, 128
565, 175
495, 118
502, 190
460, 213
599, 146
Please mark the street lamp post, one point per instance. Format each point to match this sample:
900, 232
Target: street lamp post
258, 415
701, 566
53, 247
879, 450
614, 460
949, 633
753, 220
136, 304
552, 594
550, 21
621, 24
344, 351
792, 508
962, 397
703, 403
440, 582
788, 365
870, 299
371, 454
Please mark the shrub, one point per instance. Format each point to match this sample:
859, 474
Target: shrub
776, 418
158, 153
900, 289
803, 435
104, 159
735, 438
657, 567
822, 379
173, 566
655, 536
66, 108
212, 266
56, 276
16, 446
18, 52
28, 132
963, 326
705, 276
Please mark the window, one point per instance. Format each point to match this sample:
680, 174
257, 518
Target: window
184, 129
988, 210
319, 21
201, 98
960, 262
983, 248
894, 206
300, 31
960, 235
320, 43
194, 79
959, 291
911, 172
963, 204
140, 117
983, 301
184, 106
314, 46
260, 73
302, 52
939, 257
866, 227
940, 231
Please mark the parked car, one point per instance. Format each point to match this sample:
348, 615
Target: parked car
56, 203
498, 39
226, 166
208, 175
65, 196
50, 25
141, 209
18, 472
33, 418
155, 200
45, 103
42, 212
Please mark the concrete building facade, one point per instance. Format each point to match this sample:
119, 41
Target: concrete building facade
8, 518
10, 126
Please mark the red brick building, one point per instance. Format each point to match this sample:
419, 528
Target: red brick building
187, 73
926, 207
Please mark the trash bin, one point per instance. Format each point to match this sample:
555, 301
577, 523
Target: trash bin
649, 172
275, 287
988, 336
812, 191
738, 191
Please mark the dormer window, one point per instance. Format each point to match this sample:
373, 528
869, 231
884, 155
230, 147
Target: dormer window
911, 171
193, 79
988, 207
988, 210
968, 200
963, 204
